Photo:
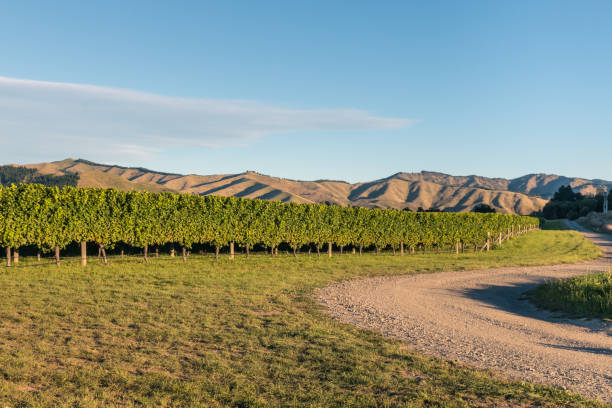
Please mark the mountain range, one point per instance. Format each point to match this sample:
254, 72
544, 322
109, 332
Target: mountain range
522, 195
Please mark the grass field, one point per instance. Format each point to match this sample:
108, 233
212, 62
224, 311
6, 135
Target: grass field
581, 296
242, 333
554, 225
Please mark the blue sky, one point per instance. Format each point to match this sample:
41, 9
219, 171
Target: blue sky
333, 89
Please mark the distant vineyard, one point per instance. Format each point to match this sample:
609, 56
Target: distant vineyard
51, 218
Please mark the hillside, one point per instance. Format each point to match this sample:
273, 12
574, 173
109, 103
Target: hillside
522, 195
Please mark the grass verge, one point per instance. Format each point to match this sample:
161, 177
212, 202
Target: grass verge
242, 333
581, 296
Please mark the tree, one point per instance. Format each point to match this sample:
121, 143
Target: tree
483, 208
565, 193
567, 204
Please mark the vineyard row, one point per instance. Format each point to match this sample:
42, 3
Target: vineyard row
51, 218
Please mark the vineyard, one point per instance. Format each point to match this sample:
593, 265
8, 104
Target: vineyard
50, 219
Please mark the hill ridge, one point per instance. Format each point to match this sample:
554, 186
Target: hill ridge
425, 189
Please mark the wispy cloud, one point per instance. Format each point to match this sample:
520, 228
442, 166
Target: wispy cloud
110, 123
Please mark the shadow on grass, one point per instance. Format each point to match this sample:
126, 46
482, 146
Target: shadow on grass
515, 299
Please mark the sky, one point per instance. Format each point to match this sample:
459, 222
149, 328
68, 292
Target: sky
349, 90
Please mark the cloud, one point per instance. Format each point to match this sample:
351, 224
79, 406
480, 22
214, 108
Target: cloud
96, 121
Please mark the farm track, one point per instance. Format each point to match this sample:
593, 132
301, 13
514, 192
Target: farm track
482, 318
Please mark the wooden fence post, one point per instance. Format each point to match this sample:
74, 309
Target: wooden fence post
329, 249
488, 240
8, 257
83, 253
104, 254
231, 256
57, 255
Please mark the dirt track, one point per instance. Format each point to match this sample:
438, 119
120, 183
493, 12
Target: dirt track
482, 318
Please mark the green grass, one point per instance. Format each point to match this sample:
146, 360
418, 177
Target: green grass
557, 225
245, 333
581, 296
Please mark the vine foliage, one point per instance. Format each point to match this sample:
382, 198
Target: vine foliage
51, 217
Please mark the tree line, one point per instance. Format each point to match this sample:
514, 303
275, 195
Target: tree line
18, 174
51, 218
566, 203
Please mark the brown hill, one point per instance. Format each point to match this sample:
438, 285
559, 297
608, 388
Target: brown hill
523, 195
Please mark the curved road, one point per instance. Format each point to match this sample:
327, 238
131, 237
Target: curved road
482, 318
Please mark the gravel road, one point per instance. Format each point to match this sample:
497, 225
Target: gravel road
482, 318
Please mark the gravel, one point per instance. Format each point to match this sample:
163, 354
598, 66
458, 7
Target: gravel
484, 319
